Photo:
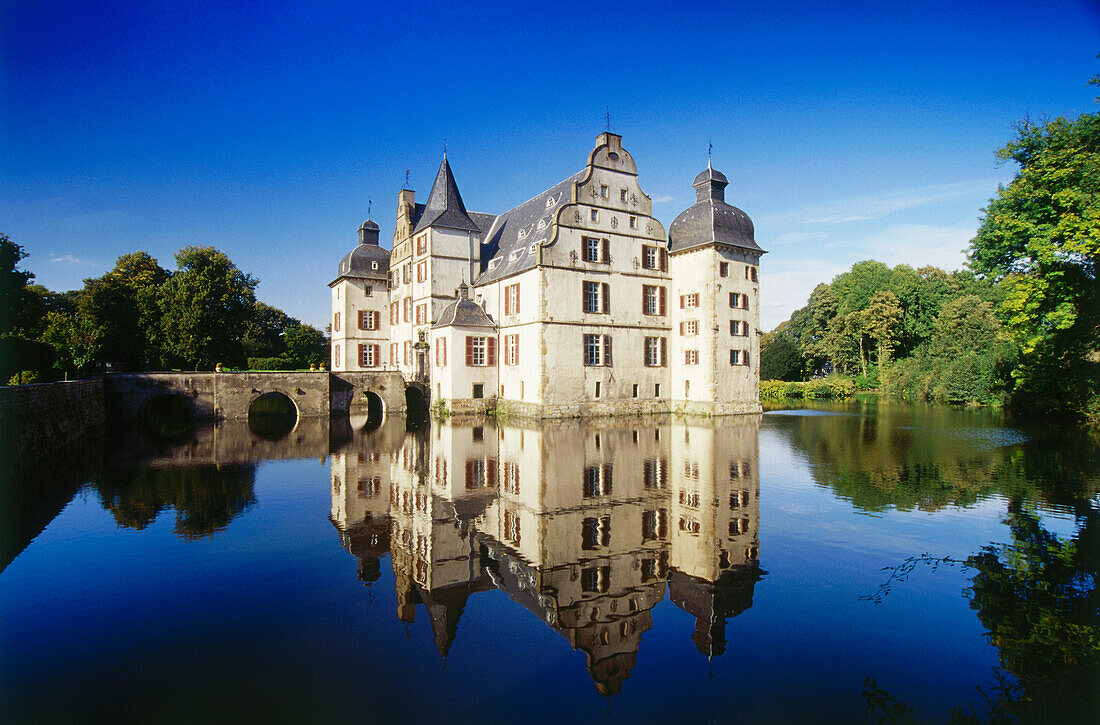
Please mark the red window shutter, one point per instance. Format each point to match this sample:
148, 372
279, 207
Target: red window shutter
606, 297
377, 354
470, 482
681, 302
664, 352
516, 310
377, 316
515, 349
681, 328
584, 297
661, 300
491, 473
443, 346
607, 350
643, 300
664, 260
362, 355
469, 351
490, 351
606, 251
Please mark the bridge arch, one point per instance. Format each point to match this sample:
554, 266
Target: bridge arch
272, 415
167, 416
418, 398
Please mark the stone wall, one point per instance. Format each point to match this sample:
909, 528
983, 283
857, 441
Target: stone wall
36, 419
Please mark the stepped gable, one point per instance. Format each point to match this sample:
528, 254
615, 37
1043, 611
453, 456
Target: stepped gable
367, 260
444, 207
711, 220
512, 240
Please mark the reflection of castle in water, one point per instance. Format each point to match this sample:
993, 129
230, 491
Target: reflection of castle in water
586, 524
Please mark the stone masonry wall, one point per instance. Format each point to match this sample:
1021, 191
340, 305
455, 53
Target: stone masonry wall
36, 419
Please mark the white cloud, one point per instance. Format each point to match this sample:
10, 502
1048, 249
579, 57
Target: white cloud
797, 237
68, 259
918, 245
663, 199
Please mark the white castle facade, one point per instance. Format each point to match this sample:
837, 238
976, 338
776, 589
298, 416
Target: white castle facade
575, 303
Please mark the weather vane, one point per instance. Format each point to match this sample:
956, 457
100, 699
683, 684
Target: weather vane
710, 148
407, 179
368, 208
444, 147
607, 115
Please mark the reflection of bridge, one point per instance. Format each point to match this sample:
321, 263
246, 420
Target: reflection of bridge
230, 395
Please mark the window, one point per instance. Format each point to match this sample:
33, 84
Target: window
594, 215
480, 351
422, 272
738, 526
369, 319
597, 350
511, 478
408, 351
723, 269
634, 394
691, 357
689, 498
753, 275
511, 299
739, 357
511, 349
596, 579
738, 328
688, 301
595, 532
405, 274
407, 306
596, 297
596, 250
336, 357
393, 353
657, 386
441, 352
336, 323
653, 299
622, 194
367, 290
689, 525
479, 390
598, 388
511, 527
422, 244
739, 300
654, 525
656, 352
633, 222
654, 473
750, 273
395, 313
597, 481
422, 313
654, 258
370, 356
481, 473
689, 327
603, 192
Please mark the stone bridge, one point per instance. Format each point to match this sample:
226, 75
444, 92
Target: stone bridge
229, 395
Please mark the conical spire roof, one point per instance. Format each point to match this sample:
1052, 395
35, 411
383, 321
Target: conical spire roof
445, 207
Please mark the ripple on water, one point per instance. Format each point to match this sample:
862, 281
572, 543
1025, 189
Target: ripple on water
989, 437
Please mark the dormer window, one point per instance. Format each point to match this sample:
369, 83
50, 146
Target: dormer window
374, 265
513, 256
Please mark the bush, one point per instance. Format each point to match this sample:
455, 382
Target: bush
28, 377
271, 363
833, 387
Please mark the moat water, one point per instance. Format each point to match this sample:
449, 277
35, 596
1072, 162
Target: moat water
835, 563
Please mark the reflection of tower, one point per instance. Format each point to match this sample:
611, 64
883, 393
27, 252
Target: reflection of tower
716, 514
361, 495
581, 541
443, 478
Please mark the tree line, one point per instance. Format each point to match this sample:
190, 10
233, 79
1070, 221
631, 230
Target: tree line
1020, 325
140, 316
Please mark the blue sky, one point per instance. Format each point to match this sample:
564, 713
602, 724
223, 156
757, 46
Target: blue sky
848, 131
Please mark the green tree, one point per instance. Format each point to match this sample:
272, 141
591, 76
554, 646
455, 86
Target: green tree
780, 354
882, 323
1040, 239
205, 307
306, 345
13, 283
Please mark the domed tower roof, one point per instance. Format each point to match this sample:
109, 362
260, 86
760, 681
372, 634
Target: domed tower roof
711, 220
367, 260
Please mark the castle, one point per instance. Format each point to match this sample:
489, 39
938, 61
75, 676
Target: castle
574, 303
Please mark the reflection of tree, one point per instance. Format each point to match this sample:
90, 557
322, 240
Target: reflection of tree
930, 457
206, 498
1038, 600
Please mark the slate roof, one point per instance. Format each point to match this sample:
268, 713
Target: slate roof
510, 242
711, 219
464, 312
444, 207
358, 263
